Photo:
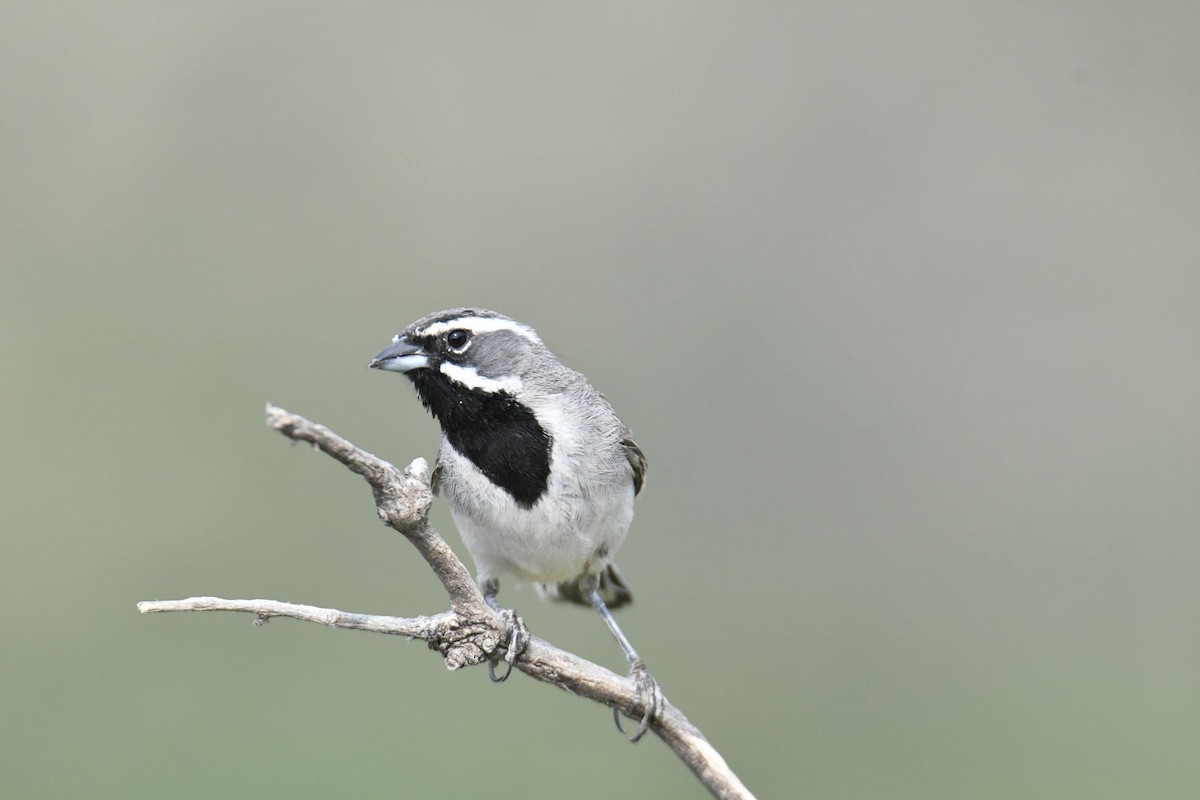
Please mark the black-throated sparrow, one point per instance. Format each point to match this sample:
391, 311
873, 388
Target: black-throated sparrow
539, 471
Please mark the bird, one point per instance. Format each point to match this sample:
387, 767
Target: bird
539, 472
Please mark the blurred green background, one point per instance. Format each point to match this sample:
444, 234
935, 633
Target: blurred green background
901, 301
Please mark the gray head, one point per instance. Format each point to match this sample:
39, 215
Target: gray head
470, 348
459, 358
477, 371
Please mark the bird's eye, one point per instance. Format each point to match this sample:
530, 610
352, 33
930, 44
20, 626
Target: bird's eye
458, 339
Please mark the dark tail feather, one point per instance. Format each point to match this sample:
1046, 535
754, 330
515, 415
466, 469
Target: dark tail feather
613, 590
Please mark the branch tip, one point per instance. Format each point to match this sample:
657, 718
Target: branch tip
470, 633
418, 470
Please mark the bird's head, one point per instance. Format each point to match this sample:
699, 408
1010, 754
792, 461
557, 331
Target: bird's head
465, 351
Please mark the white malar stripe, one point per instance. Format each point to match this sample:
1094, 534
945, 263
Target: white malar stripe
481, 325
470, 378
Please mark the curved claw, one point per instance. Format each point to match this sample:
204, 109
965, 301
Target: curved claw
649, 695
518, 638
492, 671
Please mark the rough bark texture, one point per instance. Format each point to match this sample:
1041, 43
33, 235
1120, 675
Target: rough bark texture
470, 632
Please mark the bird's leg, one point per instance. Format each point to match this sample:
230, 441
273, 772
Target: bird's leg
649, 692
514, 628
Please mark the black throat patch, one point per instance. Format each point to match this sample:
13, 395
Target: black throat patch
499, 435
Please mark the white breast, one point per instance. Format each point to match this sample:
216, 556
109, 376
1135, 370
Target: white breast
574, 528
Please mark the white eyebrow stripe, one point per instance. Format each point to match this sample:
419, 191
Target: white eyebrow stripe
481, 325
470, 378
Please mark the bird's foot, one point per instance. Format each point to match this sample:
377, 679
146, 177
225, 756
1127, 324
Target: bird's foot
650, 698
517, 636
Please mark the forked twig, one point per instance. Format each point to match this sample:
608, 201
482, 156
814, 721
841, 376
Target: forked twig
470, 632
